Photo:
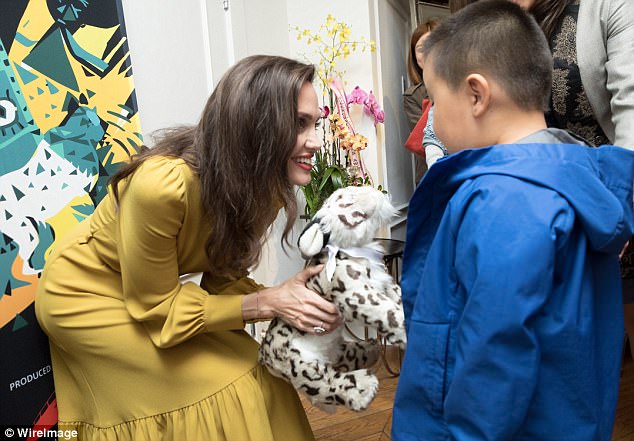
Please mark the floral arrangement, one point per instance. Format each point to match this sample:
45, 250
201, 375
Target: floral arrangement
339, 163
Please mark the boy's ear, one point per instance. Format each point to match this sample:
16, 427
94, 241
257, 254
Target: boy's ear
479, 90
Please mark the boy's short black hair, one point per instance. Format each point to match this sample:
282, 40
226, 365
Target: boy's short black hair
494, 37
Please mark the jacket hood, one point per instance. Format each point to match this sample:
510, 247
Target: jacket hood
596, 182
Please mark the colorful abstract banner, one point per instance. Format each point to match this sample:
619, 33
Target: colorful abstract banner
68, 120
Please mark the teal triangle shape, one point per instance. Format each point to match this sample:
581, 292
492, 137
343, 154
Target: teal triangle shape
18, 194
19, 323
55, 137
26, 76
69, 16
49, 58
52, 89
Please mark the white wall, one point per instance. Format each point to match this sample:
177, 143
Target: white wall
170, 61
180, 49
394, 30
259, 27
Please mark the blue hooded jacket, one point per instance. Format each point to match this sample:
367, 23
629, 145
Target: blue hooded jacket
512, 295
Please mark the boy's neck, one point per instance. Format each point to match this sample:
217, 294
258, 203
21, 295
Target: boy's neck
515, 125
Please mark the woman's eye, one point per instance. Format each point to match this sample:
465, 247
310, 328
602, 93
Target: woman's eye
318, 124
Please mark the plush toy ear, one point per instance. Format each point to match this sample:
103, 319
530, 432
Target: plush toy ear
312, 240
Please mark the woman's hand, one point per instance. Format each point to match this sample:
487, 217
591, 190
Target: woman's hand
627, 244
299, 306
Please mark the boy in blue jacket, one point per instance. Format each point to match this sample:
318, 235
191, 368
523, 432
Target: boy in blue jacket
510, 282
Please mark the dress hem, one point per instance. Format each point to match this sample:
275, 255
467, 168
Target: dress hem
178, 409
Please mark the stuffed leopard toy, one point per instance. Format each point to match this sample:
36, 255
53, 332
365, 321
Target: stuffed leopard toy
329, 369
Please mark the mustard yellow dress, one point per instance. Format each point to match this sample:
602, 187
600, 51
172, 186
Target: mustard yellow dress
138, 355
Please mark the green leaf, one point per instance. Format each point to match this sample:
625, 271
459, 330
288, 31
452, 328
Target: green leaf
326, 177
337, 179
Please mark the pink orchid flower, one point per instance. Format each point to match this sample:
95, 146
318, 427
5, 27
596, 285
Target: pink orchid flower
357, 96
373, 108
369, 102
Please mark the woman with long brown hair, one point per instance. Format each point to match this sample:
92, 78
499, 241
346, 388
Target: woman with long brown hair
414, 95
139, 354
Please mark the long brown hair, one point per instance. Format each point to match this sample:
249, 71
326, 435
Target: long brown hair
414, 72
548, 14
240, 150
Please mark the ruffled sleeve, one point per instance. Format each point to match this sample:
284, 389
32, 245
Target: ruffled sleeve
152, 209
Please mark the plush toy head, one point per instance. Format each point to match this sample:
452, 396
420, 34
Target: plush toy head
350, 217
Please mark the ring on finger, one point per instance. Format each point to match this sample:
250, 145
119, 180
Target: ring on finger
319, 329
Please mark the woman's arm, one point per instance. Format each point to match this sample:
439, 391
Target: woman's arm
413, 104
620, 70
151, 213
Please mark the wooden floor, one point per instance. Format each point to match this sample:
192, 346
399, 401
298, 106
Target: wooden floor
624, 424
374, 424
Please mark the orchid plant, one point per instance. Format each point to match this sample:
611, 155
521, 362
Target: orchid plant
339, 163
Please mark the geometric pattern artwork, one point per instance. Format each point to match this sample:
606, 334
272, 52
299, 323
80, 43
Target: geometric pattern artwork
68, 121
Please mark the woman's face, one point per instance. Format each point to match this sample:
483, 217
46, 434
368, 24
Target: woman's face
418, 49
524, 4
300, 163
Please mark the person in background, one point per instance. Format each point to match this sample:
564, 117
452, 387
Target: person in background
415, 94
592, 43
510, 278
137, 353
432, 146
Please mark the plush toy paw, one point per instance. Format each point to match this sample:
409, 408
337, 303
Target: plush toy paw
366, 387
